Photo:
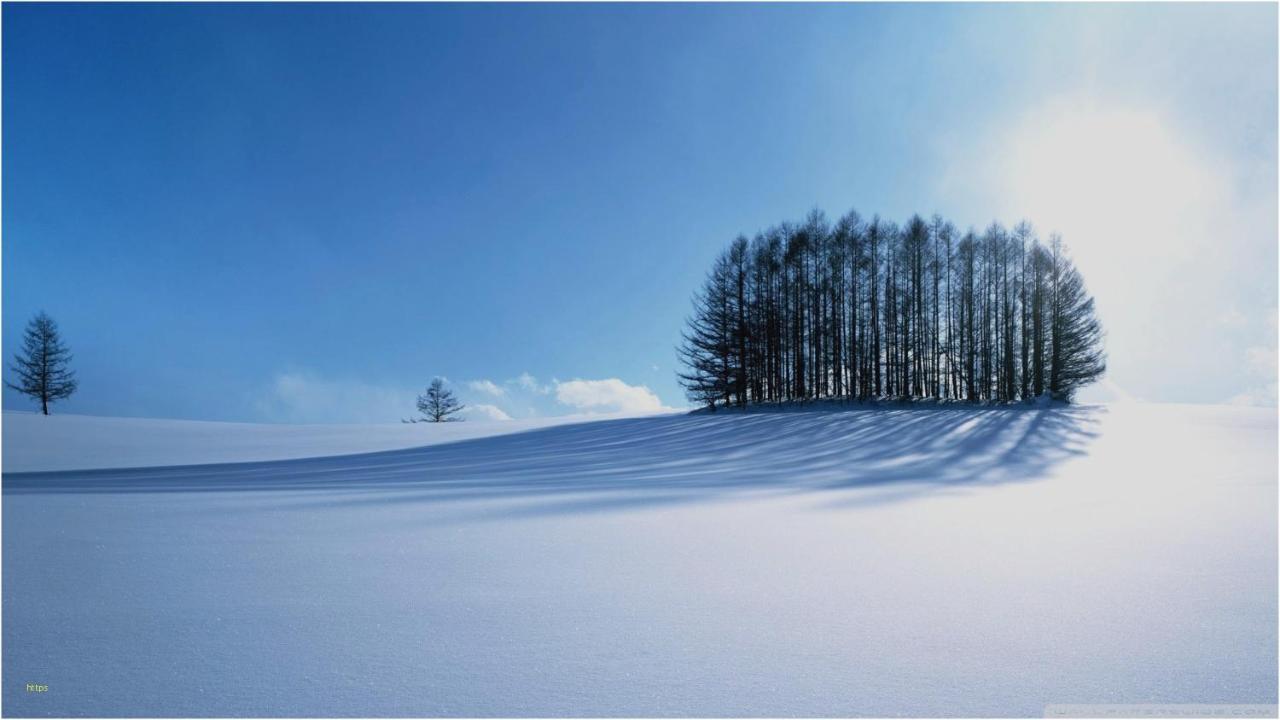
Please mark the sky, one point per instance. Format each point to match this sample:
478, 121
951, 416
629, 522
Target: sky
303, 213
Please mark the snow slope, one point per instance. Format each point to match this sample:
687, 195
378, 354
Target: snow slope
932, 561
34, 443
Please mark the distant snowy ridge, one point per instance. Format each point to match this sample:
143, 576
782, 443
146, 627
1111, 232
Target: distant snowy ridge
37, 443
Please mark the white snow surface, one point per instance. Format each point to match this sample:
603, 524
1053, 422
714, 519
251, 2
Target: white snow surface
35, 442
887, 561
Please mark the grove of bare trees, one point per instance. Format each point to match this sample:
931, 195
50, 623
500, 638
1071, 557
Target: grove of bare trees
868, 309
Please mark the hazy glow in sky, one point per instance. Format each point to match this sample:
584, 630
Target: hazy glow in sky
304, 212
1156, 161
1170, 253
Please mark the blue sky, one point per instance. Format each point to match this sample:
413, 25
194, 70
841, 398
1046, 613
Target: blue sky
304, 212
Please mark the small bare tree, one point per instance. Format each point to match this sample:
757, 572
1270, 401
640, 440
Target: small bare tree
42, 365
438, 404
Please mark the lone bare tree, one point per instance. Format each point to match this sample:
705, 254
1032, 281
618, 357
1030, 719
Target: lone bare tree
438, 404
41, 367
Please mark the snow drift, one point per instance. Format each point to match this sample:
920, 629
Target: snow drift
917, 561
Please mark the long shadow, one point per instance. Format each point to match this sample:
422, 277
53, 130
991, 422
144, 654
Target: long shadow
655, 460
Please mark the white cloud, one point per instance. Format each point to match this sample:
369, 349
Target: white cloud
1233, 318
304, 397
1261, 360
609, 395
487, 387
1261, 363
528, 382
484, 412
1259, 397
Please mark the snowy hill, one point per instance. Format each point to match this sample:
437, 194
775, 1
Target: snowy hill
36, 443
924, 561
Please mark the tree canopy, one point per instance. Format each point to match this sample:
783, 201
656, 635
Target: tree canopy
868, 309
438, 404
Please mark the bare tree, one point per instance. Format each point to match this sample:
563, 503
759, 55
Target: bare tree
1078, 358
438, 404
41, 367
708, 347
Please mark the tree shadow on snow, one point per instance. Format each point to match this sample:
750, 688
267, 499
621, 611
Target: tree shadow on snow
878, 454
